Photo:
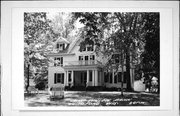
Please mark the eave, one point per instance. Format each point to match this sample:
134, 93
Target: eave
62, 54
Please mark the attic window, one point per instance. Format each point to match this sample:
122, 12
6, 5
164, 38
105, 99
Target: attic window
60, 46
88, 48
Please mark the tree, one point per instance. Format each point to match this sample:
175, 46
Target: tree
36, 28
151, 56
63, 25
117, 32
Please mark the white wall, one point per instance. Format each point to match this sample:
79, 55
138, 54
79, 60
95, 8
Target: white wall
51, 71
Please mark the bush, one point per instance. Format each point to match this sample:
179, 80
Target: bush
41, 86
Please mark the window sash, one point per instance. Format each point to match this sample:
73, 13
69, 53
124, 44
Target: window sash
86, 58
106, 75
58, 61
58, 78
92, 57
110, 75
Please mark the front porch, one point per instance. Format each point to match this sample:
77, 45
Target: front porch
83, 76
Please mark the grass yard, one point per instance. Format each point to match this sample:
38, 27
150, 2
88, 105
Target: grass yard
83, 98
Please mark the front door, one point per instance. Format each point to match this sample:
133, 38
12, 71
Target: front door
80, 78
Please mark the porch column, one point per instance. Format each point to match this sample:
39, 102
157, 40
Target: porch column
96, 78
87, 81
65, 78
72, 78
93, 78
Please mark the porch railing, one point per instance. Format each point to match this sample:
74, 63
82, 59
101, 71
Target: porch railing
82, 63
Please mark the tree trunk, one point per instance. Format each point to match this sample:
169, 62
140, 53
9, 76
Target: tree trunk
122, 75
122, 80
128, 77
28, 75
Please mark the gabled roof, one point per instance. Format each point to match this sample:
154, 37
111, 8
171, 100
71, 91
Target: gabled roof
68, 49
73, 44
62, 40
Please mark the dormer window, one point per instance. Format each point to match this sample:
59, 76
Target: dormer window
60, 46
88, 48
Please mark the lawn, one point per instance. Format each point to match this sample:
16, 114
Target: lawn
83, 98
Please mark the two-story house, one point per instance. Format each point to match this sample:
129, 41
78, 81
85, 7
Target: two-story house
71, 67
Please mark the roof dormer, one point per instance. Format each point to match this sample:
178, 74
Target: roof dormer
61, 44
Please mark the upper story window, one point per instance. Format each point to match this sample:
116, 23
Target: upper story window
88, 48
60, 46
58, 61
80, 58
90, 57
115, 58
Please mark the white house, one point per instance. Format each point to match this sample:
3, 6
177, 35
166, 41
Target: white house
71, 67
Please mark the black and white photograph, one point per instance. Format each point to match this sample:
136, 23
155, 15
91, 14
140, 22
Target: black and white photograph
91, 59
88, 58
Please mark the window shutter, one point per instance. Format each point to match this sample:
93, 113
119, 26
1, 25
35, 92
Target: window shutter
57, 46
93, 58
62, 78
55, 78
61, 61
55, 61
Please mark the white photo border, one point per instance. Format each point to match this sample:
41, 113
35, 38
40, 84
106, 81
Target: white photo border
15, 52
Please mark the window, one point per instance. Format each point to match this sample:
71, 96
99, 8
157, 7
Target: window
115, 77
110, 77
60, 46
83, 48
57, 46
86, 60
86, 57
80, 58
89, 47
92, 57
90, 75
69, 76
115, 58
120, 78
58, 61
59, 78
106, 77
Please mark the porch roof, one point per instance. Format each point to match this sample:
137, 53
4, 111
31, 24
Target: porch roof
82, 67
